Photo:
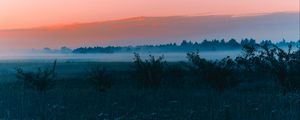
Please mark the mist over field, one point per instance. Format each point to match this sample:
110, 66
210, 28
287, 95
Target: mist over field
108, 57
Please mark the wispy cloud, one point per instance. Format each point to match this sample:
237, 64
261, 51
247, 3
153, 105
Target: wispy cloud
155, 30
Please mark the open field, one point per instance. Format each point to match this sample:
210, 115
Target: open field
73, 97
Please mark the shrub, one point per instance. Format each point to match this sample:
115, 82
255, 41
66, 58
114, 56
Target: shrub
99, 78
42, 80
283, 65
250, 63
271, 60
219, 74
149, 72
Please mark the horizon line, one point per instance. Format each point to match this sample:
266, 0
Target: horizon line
177, 43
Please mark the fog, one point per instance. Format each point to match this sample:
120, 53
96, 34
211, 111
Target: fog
102, 57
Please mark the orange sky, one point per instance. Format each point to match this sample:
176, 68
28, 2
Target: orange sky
34, 13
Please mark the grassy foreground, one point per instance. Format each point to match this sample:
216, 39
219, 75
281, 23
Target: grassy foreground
73, 97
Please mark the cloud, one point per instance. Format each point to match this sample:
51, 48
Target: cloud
155, 30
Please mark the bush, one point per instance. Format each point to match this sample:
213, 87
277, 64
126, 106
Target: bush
271, 60
249, 62
149, 72
99, 78
42, 80
219, 74
283, 65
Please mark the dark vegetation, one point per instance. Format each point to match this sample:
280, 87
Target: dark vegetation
150, 72
99, 78
175, 76
220, 74
262, 83
205, 45
42, 80
281, 65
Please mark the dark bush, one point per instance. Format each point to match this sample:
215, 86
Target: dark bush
250, 64
219, 74
42, 80
271, 60
248, 61
99, 78
149, 72
283, 65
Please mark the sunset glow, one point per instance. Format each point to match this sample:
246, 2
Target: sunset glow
34, 13
149, 59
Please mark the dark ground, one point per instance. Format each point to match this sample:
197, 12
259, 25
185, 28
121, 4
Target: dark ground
74, 98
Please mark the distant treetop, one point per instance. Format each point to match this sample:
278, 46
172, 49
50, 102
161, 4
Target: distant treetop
184, 46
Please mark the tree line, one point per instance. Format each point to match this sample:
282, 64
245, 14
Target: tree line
184, 46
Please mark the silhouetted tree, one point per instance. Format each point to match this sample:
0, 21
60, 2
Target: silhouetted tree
149, 72
218, 74
99, 78
233, 43
42, 80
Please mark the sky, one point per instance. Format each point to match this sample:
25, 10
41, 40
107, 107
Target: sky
26, 24
16, 14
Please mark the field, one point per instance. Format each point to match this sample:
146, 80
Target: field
73, 97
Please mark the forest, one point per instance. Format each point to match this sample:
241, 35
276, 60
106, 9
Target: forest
184, 46
205, 45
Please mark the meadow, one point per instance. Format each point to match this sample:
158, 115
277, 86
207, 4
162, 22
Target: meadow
247, 87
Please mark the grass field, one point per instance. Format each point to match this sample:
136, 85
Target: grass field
73, 97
